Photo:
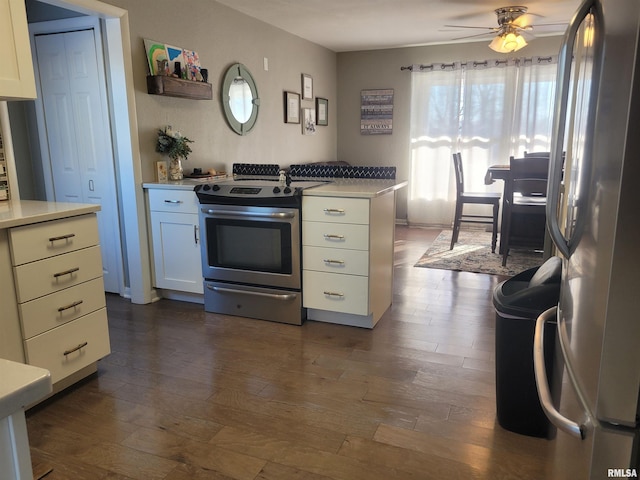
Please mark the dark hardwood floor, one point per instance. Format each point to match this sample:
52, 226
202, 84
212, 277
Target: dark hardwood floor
192, 395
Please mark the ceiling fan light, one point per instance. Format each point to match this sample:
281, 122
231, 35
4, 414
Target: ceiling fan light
507, 43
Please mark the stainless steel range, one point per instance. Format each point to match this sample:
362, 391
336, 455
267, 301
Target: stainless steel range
251, 248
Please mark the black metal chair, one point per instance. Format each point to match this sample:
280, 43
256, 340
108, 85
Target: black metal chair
477, 198
524, 204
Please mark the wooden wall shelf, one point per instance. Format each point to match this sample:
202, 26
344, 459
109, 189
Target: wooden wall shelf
177, 87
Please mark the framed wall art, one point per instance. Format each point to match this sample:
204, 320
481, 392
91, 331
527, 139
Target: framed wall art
307, 87
322, 112
291, 107
308, 121
376, 112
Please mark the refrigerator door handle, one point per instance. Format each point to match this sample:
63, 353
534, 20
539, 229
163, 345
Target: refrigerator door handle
542, 384
556, 161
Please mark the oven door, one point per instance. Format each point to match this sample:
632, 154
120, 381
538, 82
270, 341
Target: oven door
251, 245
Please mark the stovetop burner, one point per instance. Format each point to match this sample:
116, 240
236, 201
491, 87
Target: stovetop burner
267, 191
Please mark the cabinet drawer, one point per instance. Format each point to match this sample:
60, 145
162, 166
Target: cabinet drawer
335, 209
37, 279
337, 235
336, 292
336, 260
57, 350
166, 200
53, 310
47, 239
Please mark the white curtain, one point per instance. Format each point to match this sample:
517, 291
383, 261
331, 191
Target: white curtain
488, 111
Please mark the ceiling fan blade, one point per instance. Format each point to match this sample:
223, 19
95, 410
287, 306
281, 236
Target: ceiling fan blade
494, 29
473, 36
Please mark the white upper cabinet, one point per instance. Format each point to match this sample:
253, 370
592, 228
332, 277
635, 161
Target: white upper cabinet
17, 80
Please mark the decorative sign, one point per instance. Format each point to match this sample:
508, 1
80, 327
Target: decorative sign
376, 112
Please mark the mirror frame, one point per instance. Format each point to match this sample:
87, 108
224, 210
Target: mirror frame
234, 71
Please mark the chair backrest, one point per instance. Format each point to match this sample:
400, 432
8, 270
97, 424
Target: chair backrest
457, 166
529, 175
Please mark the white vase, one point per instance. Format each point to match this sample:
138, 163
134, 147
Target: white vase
175, 169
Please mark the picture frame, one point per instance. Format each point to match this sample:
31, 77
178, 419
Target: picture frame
307, 87
291, 107
308, 121
322, 112
162, 171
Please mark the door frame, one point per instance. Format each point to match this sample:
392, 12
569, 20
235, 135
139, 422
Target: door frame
124, 130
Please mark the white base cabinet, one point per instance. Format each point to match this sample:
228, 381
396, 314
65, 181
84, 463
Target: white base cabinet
175, 237
59, 294
347, 258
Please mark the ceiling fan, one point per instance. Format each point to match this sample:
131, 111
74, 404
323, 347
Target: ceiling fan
512, 23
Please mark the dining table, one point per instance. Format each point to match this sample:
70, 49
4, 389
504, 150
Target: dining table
499, 172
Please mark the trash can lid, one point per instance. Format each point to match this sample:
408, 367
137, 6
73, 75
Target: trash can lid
531, 292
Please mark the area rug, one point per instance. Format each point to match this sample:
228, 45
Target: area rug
472, 253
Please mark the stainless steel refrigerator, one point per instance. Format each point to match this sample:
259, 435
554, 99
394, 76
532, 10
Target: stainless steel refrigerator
593, 216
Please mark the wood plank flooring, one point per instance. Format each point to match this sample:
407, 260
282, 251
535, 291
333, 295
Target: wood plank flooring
194, 395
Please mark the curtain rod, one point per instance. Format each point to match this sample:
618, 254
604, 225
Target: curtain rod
483, 63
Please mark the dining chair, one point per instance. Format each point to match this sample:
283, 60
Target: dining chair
524, 204
477, 198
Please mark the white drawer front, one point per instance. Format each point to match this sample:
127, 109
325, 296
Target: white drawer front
58, 350
179, 201
336, 292
336, 260
37, 279
336, 235
43, 240
53, 310
335, 209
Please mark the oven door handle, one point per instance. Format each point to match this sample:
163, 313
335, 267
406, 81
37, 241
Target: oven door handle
224, 213
283, 297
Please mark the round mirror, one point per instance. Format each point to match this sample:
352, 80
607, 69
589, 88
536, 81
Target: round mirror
240, 99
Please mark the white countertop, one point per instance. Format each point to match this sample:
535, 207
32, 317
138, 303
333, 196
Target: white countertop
356, 187
14, 213
21, 385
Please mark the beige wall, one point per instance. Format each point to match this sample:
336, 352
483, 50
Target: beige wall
381, 69
222, 37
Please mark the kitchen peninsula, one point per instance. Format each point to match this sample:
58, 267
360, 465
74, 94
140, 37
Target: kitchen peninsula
54, 310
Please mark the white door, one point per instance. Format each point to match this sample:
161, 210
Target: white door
78, 134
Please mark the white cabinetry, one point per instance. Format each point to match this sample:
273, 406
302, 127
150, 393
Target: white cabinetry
17, 80
175, 238
347, 258
57, 271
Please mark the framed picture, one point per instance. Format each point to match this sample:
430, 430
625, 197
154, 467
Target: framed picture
161, 171
322, 112
307, 87
308, 121
291, 107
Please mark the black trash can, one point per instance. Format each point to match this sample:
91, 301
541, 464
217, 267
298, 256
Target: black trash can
518, 302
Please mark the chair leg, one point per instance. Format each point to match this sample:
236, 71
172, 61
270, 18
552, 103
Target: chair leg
494, 236
456, 225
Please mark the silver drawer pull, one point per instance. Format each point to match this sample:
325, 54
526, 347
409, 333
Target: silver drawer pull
336, 262
75, 349
62, 237
173, 201
333, 236
330, 211
333, 294
66, 272
71, 305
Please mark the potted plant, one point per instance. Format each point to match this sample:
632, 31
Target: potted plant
176, 146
